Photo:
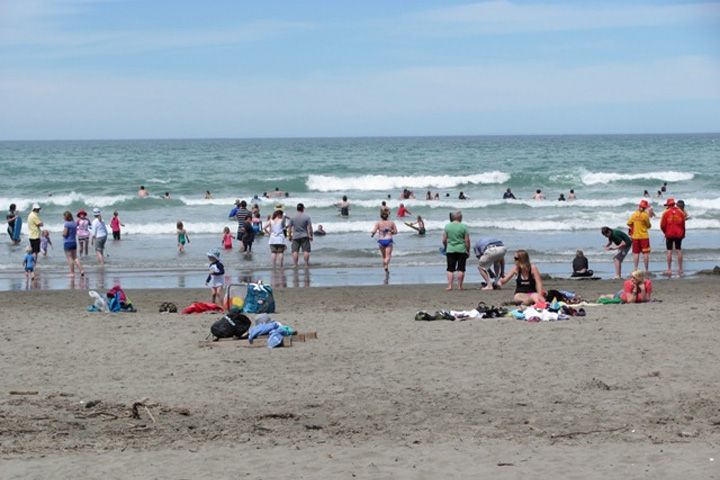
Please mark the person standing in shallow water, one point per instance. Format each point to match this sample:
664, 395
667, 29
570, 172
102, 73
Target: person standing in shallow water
70, 246
456, 241
386, 228
344, 207
302, 235
11, 219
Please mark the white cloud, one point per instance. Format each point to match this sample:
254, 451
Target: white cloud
39, 23
503, 16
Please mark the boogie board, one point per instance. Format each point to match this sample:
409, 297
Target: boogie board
409, 224
17, 229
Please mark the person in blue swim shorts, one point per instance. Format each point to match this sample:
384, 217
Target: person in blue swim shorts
386, 229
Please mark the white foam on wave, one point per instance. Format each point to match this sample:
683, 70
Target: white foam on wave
341, 227
66, 199
594, 178
708, 204
159, 180
328, 183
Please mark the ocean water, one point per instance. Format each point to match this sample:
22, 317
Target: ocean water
608, 174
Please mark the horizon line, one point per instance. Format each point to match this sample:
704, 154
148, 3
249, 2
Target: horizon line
347, 137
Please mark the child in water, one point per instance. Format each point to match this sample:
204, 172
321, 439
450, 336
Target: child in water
227, 239
44, 242
182, 237
257, 223
115, 225
216, 277
29, 263
248, 236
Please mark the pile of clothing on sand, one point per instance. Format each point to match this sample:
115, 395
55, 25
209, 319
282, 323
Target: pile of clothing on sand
235, 324
564, 305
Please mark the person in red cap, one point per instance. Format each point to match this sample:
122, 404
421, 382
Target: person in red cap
639, 224
672, 225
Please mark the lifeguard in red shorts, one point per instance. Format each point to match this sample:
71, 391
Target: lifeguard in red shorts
639, 224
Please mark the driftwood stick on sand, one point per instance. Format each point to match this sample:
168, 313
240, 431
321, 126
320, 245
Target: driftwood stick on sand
23, 392
588, 432
143, 402
149, 414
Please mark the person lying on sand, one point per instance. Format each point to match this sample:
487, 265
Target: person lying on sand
637, 289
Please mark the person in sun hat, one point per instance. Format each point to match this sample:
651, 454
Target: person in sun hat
639, 223
99, 235
83, 232
672, 225
34, 229
216, 275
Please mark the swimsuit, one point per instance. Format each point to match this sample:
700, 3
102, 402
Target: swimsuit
525, 285
385, 242
181, 238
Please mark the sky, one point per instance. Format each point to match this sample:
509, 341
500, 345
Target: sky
107, 69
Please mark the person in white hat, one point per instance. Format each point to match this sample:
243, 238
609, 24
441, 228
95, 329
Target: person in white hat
34, 229
216, 275
99, 235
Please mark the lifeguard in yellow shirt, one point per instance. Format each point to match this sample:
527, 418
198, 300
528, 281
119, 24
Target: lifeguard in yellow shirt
639, 224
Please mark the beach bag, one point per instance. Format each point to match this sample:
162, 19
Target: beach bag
259, 299
234, 324
114, 303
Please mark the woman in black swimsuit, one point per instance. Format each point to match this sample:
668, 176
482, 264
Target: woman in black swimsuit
529, 287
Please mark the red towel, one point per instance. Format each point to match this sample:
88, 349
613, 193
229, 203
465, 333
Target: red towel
202, 307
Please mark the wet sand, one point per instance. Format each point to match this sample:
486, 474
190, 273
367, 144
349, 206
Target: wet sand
628, 391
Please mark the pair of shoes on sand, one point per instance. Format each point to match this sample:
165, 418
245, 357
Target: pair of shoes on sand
439, 315
573, 312
492, 311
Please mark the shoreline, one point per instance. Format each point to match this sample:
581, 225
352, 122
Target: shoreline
292, 277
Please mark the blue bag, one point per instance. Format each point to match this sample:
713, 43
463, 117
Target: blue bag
259, 299
114, 303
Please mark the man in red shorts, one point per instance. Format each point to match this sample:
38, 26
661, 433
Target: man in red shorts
639, 224
673, 226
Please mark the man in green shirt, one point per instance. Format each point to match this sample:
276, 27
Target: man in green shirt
456, 240
620, 241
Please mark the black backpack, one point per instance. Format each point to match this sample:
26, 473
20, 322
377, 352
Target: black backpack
234, 324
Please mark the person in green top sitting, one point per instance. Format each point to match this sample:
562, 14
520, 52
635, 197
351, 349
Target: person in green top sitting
456, 241
620, 241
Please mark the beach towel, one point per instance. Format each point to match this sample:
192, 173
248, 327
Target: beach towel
201, 307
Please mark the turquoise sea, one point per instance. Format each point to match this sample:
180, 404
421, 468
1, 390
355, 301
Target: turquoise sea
608, 174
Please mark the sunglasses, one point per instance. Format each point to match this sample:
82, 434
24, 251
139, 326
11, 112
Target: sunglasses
517, 258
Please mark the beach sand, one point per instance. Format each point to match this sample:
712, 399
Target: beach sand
628, 391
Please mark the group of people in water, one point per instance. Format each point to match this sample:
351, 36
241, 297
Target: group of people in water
78, 234
297, 231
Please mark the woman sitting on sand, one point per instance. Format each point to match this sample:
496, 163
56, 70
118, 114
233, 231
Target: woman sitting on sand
529, 287
387, 229
637, 289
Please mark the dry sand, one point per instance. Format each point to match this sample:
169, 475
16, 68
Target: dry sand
627, 392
